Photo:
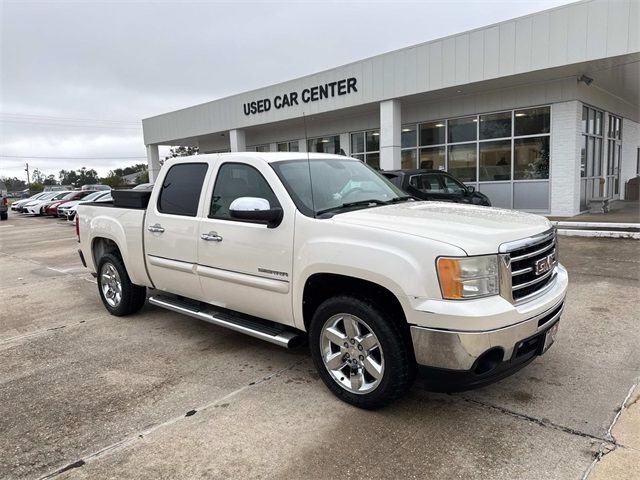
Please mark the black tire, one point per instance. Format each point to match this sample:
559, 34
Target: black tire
133, 296
399, 364
4, 216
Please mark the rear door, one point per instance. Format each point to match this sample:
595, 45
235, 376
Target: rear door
246, 266
171, 229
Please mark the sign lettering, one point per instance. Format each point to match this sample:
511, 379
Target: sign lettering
313, 94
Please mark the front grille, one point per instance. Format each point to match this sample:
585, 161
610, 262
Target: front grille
524, 255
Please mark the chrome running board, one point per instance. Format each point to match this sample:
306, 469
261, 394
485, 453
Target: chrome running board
263, 329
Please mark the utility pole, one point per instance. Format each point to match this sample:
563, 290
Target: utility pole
28, 179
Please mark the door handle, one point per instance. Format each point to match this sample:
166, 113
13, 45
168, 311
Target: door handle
157, 228
211, 237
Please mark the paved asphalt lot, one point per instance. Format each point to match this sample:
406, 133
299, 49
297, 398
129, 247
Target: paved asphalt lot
159, 395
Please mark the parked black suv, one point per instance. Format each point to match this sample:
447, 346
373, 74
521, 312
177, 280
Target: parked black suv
436, 185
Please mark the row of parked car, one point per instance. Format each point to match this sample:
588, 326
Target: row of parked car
61, 204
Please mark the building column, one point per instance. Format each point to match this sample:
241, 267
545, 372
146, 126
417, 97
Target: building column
564, 170
153, 161
390, 134
302, 145
345, 144
237, 140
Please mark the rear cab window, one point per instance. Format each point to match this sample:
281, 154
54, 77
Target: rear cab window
181, 188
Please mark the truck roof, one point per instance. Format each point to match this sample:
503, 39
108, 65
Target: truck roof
269, 157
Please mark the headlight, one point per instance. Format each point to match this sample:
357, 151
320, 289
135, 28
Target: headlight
468, 277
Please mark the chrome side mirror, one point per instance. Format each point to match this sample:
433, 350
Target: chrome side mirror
256, 210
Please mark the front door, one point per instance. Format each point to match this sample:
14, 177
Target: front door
246, 266
171, 230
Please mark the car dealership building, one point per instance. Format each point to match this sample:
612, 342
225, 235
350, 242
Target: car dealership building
540, 113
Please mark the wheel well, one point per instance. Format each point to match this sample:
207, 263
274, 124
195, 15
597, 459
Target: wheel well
102, 246
322, 286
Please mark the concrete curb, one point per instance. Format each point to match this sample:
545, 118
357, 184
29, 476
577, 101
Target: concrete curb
599, 234
604, 225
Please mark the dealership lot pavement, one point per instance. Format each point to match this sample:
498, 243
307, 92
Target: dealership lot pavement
159, 395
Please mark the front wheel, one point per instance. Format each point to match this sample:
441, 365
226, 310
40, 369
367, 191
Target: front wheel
119, 296
360, 353
4, 216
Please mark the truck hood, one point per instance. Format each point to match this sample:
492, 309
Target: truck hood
477, 230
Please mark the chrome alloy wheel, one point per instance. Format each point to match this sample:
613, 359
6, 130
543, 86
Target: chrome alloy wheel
352, 353
111, 285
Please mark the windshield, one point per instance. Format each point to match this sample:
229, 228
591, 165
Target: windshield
92, 196
47, 196
336, 184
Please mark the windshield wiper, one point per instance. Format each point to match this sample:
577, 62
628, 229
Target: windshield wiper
361, 203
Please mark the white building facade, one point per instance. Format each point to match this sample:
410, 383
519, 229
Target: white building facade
540, 113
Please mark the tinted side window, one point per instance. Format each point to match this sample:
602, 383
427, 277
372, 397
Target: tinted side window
237, 180
452, 185
180, 191
426, 183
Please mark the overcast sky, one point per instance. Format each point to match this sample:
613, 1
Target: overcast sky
77, 77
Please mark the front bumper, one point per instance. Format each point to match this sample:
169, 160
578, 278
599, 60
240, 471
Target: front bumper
469, 344
461, 351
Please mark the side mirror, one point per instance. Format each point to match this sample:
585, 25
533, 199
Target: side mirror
257, 210
471, 188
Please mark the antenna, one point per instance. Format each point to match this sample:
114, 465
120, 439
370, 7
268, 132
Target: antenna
306, 141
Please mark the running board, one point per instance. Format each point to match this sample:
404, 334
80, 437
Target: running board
258, 328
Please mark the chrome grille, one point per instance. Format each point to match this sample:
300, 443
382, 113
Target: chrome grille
523, 256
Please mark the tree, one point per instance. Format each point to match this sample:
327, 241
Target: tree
50, 180
68, 177
14, 184
181, 152
37, 176
142, 178
113, 180
87, 177
36, 187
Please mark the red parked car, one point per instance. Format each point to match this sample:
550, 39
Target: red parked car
52, 208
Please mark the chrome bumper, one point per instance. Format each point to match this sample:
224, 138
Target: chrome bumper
454, 350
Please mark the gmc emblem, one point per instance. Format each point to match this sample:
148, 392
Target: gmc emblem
544, 264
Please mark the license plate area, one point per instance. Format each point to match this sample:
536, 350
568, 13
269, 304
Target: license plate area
550, 336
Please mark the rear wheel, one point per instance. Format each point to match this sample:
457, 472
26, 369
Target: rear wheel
4, 216
119, 296
360, 352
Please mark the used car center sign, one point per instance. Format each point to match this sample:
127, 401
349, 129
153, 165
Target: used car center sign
313, 94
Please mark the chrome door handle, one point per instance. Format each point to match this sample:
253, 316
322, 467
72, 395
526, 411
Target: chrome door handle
157, 228
211, 237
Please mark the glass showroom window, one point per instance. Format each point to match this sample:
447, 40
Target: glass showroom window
531, 151
262, 148
591, 156
462, 157
365, 146
409, 142
328, 144
505, 154
289, 146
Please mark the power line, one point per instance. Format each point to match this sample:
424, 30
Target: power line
67, 125
74, 119
73, 158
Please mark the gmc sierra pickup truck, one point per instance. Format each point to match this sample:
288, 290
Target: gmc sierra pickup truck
321, 248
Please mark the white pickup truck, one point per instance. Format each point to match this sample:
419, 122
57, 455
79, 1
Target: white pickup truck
288, 247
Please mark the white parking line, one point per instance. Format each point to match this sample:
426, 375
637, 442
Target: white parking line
68, 269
